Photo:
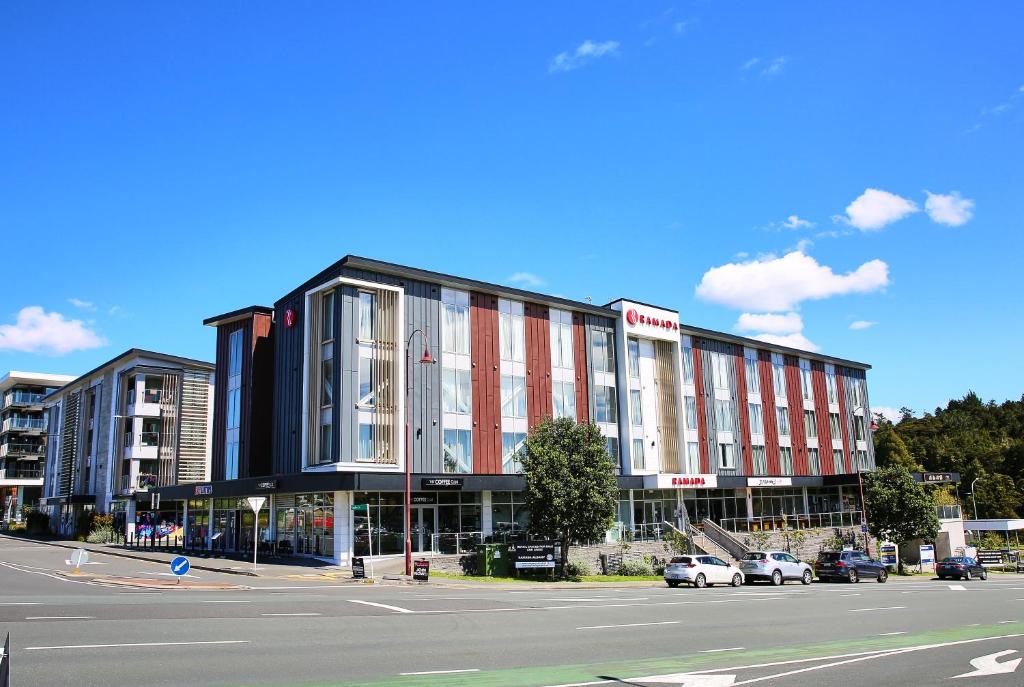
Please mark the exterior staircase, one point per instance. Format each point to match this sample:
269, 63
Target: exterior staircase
727, 547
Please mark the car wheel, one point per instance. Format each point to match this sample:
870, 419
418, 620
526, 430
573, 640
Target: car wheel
853, 577
737, 580
807, 577
777, 577
984, 576
967, 576
701, 581
673, 583
942, 577
882, 576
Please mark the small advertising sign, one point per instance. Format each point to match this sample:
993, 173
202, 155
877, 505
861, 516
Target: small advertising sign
420, 570
535, 554
888, 553
358, 569
441, 483
990, 557
927, 555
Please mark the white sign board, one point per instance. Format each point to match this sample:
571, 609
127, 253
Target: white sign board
769, 481
927, 554
647, 321
256, 502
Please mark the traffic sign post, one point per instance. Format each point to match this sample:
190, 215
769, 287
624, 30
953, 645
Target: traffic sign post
180, 567
256, 503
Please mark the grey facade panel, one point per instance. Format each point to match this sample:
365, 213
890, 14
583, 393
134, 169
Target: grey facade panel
706, 347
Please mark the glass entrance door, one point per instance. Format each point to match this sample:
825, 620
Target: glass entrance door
424, 525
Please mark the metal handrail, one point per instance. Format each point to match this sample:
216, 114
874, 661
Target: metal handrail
848, 518
723, 538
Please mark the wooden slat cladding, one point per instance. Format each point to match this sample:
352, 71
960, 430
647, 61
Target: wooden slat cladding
743, 412
702, 415
666, 364
821, 417
538, 363
195, 394
170, 410
486, 379
580, 356
795, 399
771, 427
384, 354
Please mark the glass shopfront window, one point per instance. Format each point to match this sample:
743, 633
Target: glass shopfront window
823, 500
509, 515
198, 523
304, 525
383, 520
715, 504
777, 502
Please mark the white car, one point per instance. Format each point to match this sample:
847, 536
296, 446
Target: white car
775, 567
701, 571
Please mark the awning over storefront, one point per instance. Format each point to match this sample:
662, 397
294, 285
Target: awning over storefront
994, 525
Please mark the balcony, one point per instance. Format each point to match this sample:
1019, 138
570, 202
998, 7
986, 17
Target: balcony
948, 512
33, 474
139, 482
25, 424
22, 450
142, 446
847, 518
22, 398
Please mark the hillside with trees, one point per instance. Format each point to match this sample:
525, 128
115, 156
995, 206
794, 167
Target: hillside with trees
969, 436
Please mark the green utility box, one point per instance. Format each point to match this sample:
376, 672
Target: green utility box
494, 560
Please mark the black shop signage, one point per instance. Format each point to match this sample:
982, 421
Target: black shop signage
441, 483
990, 557
423, 499
266, 485
421, 570
358, 569
534, 554
937, 477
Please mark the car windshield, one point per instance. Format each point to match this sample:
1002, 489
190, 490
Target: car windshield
829, 556
954, 559
753, 556
681, 559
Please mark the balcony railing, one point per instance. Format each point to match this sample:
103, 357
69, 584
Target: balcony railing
793, 522
21, 473
948, 512
22, 398
22, 450
25, 423
141, 482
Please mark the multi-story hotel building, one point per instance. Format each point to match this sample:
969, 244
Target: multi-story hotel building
137, 422
375, 364
23, 435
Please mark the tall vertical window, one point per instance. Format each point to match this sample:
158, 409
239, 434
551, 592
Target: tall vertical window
639, 463
636, 412
458, 450
786, 460
563, 399
806, 386
813, 461
858, 427
724, 415
456, 391
837, 461
753, 378
633, 347
783, 419
604, 404
511, 330
691, 412
366, 398
367, 315
561, 339
511, 450
835, 426
756, 418
327, 378
513, 396
830, 388
603, 351
366, 395
366, 448
692, 456
810, 424
687, 365
720, 370
779, 378
456, 321
612, 446
234, 402
862, 460
760, 460
858, 392
726, 456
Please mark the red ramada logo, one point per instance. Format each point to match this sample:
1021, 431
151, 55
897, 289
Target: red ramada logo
634, 318
631, 316
289, 318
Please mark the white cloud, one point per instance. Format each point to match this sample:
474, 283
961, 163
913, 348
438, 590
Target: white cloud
794, 222
585, 52
37, 331
528, 279
770, 323
862, 324
949, 209
796, 340
82, 305
751, 63
681, 26
774, 67
875, 209
776, 284
890, 414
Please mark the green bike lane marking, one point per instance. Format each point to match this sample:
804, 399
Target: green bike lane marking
541, 676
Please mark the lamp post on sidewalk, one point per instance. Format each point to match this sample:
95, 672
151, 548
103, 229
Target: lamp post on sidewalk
973, 499
425, 359
860, 486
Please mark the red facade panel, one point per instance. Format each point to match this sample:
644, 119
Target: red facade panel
821, 415
841, 393
579, 354
486, 380
702, 427
771, 429
797, 433
744, 414
538, 362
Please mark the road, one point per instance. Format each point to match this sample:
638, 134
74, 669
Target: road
316, 631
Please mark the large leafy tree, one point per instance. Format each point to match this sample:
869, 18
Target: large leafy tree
571, 488
890, 448
898, 508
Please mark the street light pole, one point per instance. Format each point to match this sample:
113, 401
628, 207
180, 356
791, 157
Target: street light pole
973, 499
426, 359
860, 486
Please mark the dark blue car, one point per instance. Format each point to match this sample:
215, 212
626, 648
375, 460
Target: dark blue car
960, 567
852, 566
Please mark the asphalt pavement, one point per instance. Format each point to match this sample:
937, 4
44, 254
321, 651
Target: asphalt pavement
313, 630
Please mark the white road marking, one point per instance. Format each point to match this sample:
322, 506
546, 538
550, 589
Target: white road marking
858, 594
59, 617
443, 672
957, 587
37, 603
880, 608
288, 614
397, 609
989, 665
715, 651
600, 598
890, 634
1004, 622
226, 601
107, 646
605, 627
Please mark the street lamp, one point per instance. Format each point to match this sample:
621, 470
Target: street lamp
973, 499
860, 485
425, 359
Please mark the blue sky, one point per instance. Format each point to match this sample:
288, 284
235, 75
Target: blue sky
763, 169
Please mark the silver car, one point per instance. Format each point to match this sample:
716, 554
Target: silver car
775, 567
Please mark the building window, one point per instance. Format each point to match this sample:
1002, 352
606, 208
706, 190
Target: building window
327, 317
786, 460
604, 404
862, 460
326, 439
513, 396
691, 412
511, 330
603, 351
830, 388
367, 310
634, 357
512, 444
810, 424
783, 417
837, 461
720, 370
692, 457
835, 426
813, 462
858, 427
805, 381
563, 399
753, 378
458, 450
638, 454
612, 447
687, 365
456, 391
726, 456
858, 393
327, 378
779, 378
366, 441
456, 321
561, 339
366, 396
234, 403
756, 418
724, 415
760, 460
636, 413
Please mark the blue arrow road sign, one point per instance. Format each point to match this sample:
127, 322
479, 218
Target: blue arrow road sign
180, 566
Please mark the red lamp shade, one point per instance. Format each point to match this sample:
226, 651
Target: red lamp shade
427, 358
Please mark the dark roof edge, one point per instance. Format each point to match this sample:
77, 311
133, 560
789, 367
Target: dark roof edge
357, 262
130, 352
224, 318
646, 305
765, 345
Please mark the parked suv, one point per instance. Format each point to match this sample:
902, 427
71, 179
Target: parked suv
851, 566
775, 567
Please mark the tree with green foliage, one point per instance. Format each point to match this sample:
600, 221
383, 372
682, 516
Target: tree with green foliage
890, 449
571, 489
898, 508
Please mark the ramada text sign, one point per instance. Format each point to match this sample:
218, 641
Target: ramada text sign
648, 321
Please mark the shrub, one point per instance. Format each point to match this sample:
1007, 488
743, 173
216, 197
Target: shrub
677, 542
38, 522
635, 569
574, 570
102, 520
470, 563
101, 535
